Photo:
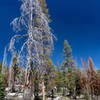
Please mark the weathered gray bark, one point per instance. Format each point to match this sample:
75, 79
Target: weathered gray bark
43, 89
28, 89
11, 76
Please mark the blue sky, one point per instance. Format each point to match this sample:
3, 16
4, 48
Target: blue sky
77, 21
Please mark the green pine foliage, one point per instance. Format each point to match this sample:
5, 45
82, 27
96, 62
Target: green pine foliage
2, 85
58, 78
16, 68
44, 7
78, 89
0, 66
67, 54
49, 76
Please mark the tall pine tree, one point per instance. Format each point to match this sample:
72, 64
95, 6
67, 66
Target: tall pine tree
68, 70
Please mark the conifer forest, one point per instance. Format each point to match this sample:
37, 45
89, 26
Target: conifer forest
30, 74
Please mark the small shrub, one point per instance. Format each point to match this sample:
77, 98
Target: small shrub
2, 88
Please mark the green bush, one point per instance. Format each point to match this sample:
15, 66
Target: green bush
2, 88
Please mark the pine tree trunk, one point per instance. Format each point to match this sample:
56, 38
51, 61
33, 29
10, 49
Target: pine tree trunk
52, 94
28, 90
43, 89
97, 98
36, 87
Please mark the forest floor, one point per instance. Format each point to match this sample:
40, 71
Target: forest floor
20, 97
